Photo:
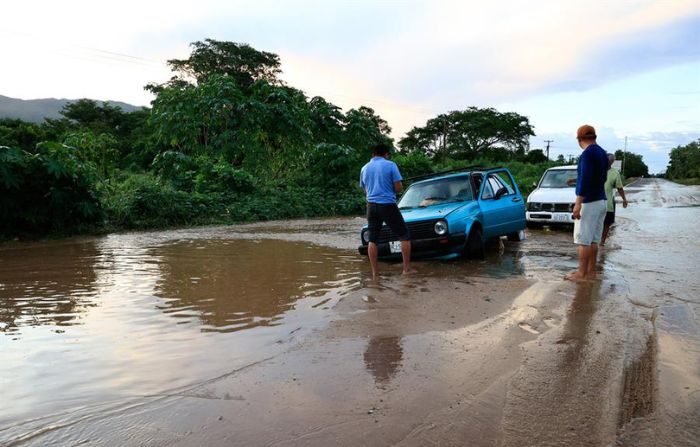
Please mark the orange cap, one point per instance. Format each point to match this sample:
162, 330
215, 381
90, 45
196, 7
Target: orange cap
586, 132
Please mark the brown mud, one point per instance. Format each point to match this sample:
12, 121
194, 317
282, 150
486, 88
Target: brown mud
274, 334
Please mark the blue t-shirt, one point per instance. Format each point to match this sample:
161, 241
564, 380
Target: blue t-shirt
592, 174
377, 179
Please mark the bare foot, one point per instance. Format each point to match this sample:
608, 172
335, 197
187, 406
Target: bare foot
575, 276
410, 271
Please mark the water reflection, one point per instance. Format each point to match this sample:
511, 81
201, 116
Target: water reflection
578, 320
383, 358
46, 284
138, 305
232, 285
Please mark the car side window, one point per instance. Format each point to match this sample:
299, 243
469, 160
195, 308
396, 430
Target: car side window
493, 184
488, 191
506, 181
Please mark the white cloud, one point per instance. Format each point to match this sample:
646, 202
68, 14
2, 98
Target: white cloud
408, 60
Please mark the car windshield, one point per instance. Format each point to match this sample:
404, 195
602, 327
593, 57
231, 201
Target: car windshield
559, 178
456, 189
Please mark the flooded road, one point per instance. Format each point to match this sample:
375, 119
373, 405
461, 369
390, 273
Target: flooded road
272, 334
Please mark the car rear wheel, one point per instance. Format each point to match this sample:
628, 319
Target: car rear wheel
474, 249
517, 236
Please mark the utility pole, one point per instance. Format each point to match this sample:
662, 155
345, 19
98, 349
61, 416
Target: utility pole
548, 141
624, 157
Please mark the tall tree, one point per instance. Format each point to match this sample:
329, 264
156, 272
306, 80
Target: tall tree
632, 164
469, 133
684, 161
242, 62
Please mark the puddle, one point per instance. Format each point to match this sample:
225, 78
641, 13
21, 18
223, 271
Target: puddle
109, 318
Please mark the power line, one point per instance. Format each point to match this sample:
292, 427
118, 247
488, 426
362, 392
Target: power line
107, 54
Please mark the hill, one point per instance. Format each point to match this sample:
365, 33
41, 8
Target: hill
36, 110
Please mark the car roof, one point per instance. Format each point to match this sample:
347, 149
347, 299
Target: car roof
458, 174
443, 177
560, 168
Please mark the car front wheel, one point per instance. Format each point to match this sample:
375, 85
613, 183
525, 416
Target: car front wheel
474, 249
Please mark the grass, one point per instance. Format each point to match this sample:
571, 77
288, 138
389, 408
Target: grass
687, 181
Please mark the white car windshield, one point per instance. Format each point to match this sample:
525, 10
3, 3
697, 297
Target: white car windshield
559, 178
456, 189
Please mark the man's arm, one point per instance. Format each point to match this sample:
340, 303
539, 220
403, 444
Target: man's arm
618, 185
582, 184
576, 214
622, 194
396, 179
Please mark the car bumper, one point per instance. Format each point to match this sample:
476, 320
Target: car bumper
547, 217
433, 247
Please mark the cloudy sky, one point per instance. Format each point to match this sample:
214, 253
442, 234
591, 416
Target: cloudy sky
629, 67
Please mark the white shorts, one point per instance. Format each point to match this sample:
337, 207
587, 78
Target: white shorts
589, 228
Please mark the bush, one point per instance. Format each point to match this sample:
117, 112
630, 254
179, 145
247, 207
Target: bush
333, 166
51, 190
143, 201
413, 164
221, 177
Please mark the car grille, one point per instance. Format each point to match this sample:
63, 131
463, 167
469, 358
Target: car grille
418, 230
552, 207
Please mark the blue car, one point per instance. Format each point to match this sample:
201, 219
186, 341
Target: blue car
455, 213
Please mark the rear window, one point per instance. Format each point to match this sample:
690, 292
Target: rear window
559, 178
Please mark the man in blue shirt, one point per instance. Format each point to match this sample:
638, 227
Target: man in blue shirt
381, 180
591, 204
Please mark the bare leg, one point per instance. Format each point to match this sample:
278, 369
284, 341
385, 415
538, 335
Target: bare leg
606, 230
373, 254
592, 261
406, 255
580, 274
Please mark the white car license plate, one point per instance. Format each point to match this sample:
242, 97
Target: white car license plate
561, 217
395, 246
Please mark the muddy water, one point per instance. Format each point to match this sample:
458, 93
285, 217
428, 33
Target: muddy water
271, 334
95, 321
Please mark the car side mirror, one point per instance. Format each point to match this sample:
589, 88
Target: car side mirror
501, 192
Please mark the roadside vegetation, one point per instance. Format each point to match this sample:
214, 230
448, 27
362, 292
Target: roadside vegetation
226, 141
684, 164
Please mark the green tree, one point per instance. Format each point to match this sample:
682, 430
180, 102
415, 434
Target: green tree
49, 190
99, 149
19, 134
243, 63
632, 164
536, 156
684, 162
469, 133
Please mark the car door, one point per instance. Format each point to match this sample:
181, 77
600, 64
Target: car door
505, 213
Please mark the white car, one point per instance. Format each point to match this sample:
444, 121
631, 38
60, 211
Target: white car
553, 200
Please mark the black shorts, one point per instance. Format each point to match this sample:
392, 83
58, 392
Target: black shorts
609, 218
378, 214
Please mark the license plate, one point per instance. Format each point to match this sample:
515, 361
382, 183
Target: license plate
395, 246
561, 217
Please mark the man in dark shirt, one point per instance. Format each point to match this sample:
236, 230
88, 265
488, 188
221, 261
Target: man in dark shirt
591, 204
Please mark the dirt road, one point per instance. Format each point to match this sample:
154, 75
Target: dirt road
501, 352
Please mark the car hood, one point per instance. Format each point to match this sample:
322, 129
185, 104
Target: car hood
553, 195
432, 212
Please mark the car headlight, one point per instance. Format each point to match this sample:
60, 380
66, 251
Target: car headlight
440, 227
534, 206
365, 236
